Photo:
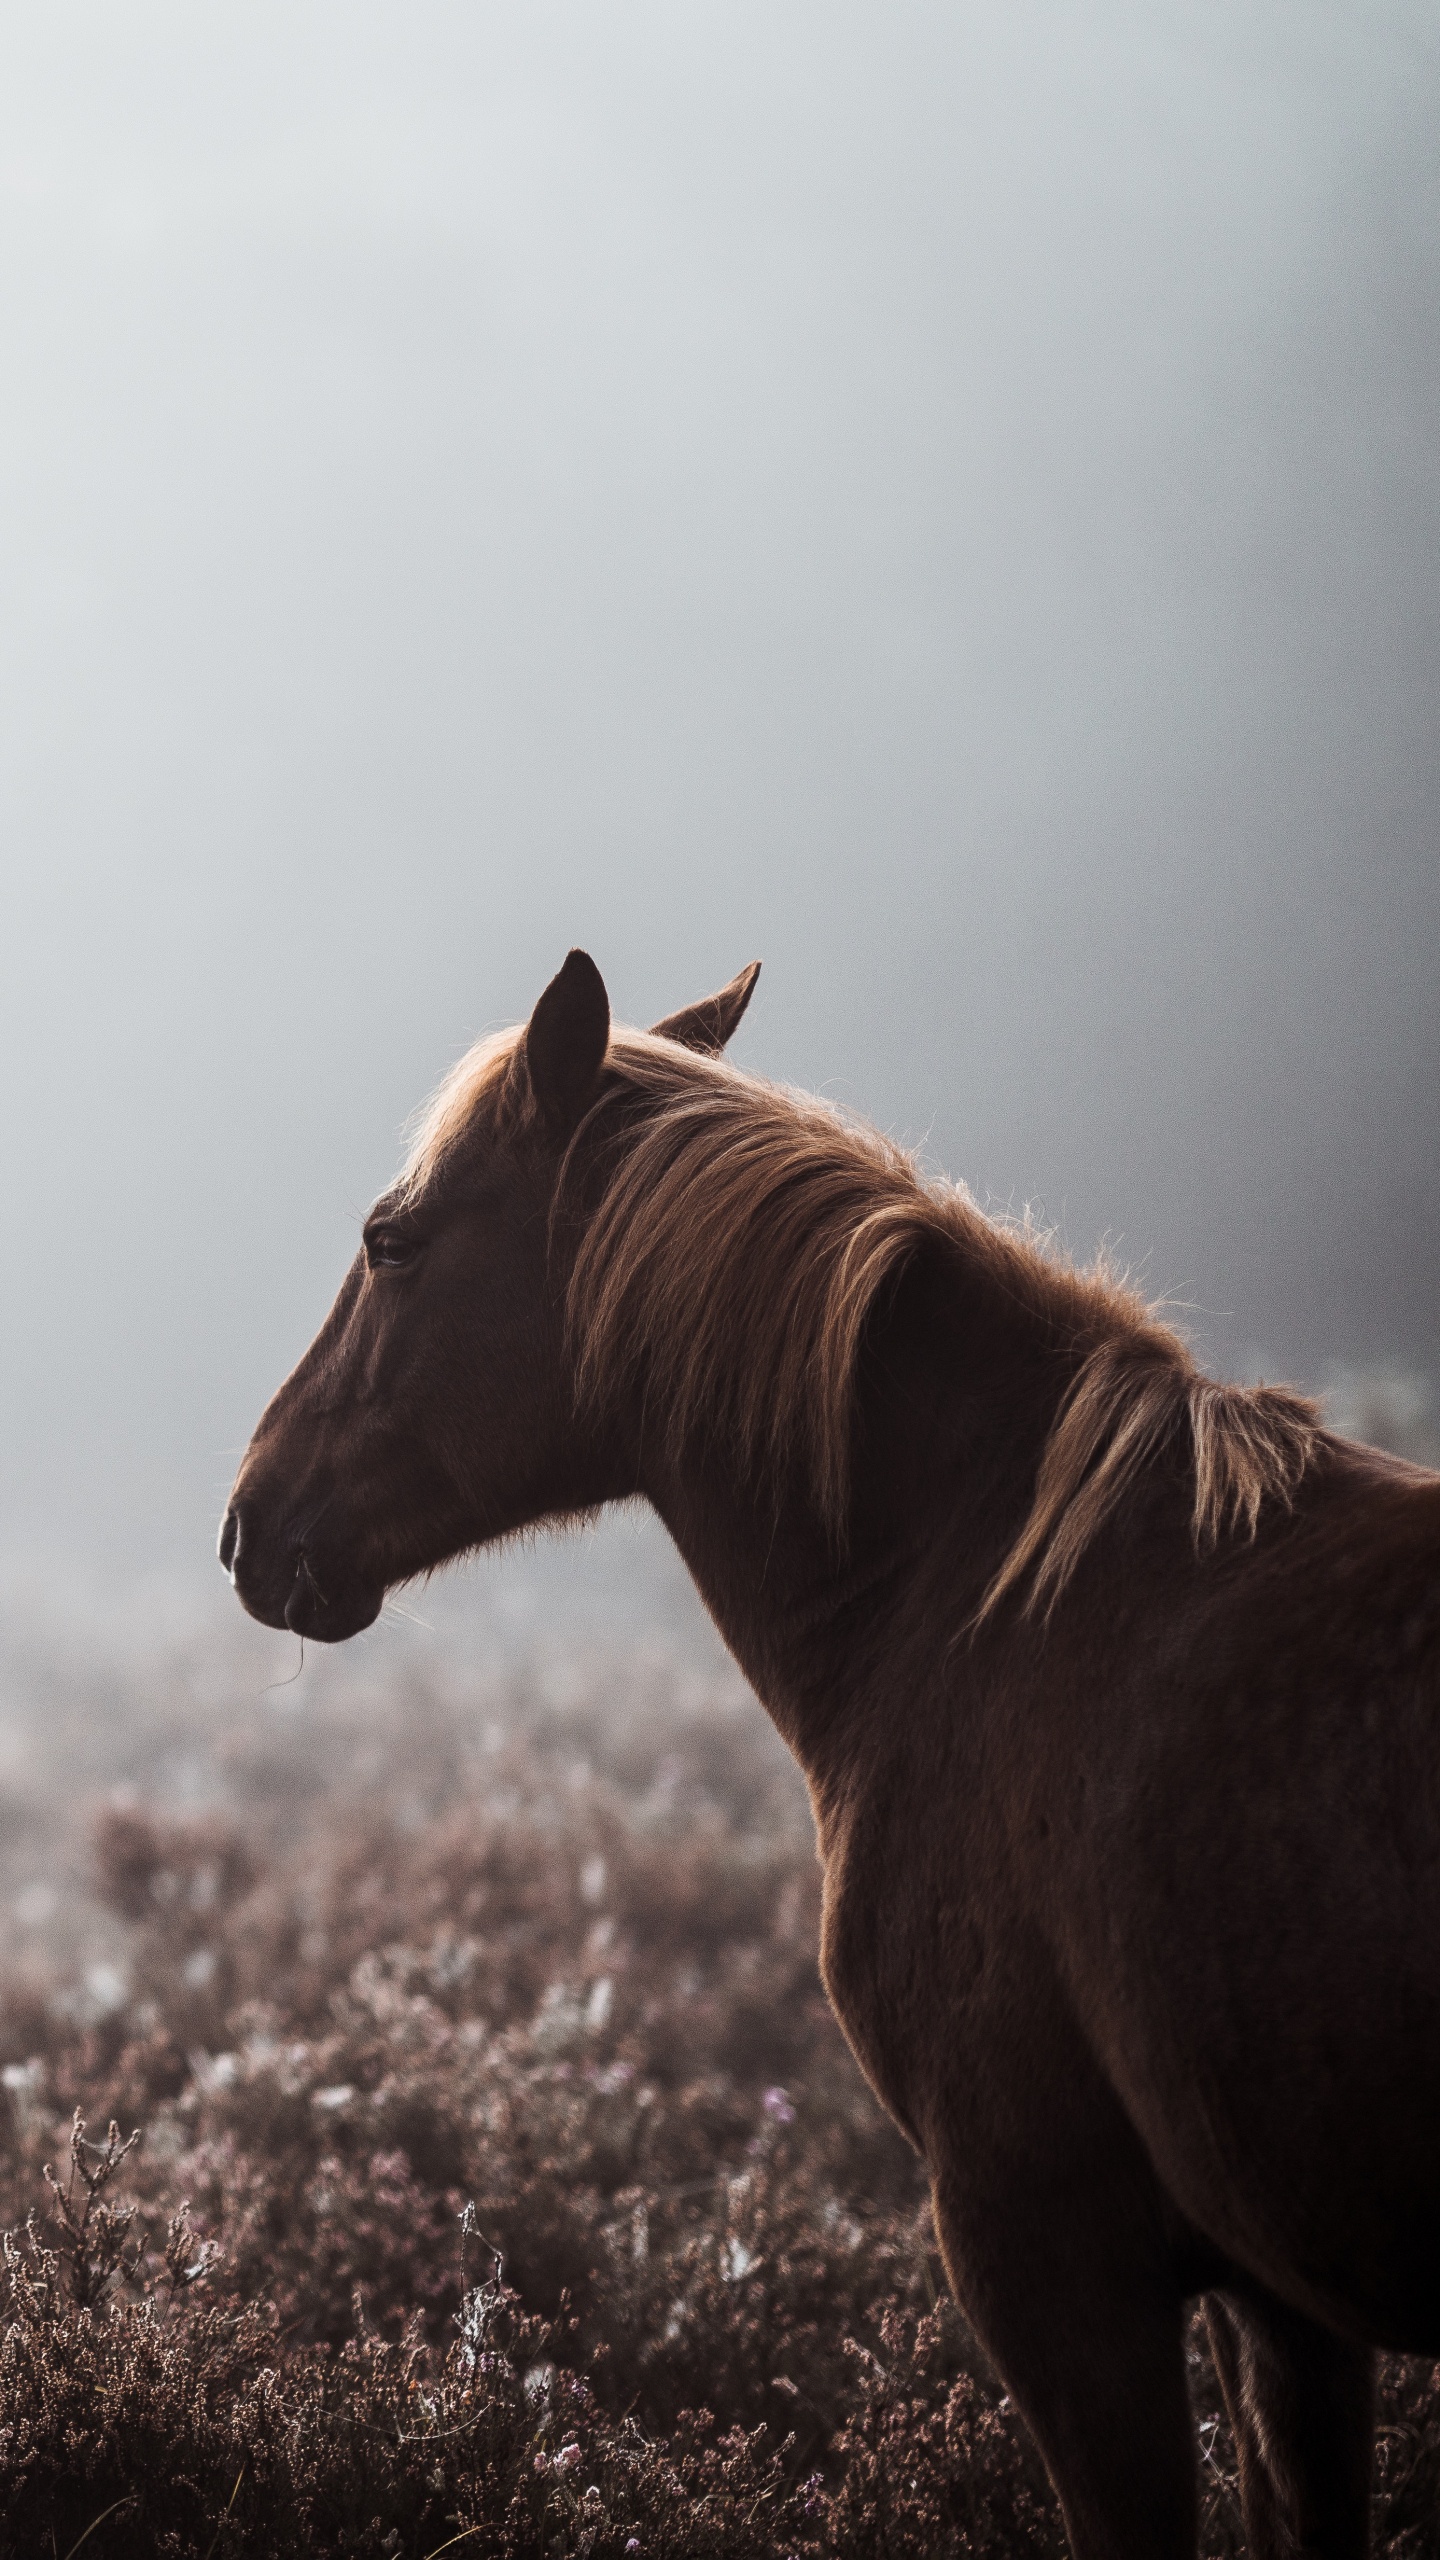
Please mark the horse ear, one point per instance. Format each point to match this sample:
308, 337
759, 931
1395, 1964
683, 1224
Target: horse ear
566, 1039
711, 1023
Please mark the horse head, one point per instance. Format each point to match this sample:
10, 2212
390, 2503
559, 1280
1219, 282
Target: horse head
435, 1410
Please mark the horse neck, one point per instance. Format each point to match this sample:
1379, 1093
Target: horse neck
956, 1393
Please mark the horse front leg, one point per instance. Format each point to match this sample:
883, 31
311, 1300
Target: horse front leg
1302, 2405
1088, 2336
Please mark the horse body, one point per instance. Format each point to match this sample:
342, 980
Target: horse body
1131, 1903
1145, 1797
1265, 1961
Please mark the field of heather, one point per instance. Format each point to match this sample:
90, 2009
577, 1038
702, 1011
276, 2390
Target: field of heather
488, 2170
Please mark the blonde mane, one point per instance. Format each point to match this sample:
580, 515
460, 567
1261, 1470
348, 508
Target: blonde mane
744, 1233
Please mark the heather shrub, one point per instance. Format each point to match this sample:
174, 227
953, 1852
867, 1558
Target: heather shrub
502, 2179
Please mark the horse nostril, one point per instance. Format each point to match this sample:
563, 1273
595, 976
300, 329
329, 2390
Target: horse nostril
229, 1539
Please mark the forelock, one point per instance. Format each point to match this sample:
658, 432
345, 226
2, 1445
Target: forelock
455, 1107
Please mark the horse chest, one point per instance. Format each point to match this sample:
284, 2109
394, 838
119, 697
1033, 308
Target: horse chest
908, 1945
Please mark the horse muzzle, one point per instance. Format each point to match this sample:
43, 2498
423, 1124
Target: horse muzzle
283, 1584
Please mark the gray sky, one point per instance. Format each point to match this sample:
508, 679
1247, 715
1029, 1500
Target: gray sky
943, 498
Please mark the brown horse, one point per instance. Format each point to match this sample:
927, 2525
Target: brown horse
1118, 1694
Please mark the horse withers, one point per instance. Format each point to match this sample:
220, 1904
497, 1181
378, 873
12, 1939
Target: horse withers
1117, 1692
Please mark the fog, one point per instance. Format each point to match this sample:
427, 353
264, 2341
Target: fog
944, 499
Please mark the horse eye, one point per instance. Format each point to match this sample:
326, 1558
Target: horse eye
387, 1249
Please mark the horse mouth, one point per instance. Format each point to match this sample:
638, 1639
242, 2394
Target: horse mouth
294, 1591
328, 1615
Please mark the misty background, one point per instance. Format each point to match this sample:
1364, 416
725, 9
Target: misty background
943, 499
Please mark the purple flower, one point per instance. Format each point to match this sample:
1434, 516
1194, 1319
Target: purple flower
776, 2103
567, 2457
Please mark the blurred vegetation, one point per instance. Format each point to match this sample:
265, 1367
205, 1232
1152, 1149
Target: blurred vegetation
501, 2170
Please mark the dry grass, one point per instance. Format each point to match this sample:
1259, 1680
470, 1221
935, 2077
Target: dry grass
503, 2184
